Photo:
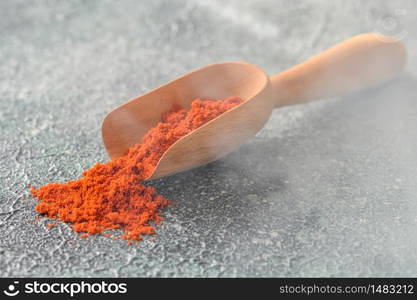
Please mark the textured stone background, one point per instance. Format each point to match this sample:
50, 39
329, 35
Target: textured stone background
326, 189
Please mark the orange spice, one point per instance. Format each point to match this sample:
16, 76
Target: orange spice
51, 225
111, 195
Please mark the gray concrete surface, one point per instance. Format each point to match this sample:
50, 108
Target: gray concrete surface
325, 189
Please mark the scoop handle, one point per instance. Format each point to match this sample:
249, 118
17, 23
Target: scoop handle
354, 64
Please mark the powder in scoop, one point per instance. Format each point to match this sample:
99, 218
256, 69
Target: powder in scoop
111, 195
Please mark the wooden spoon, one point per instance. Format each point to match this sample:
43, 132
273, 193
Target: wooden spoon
357, 63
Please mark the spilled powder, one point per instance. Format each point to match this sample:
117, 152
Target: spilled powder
111, 195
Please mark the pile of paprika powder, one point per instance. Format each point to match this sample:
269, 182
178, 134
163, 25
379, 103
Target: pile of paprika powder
111, 195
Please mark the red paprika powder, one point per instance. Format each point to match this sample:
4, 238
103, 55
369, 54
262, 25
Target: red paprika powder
111, 195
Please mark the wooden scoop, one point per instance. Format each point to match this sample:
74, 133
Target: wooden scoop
359, 62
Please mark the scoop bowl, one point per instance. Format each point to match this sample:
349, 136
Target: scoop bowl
357, 63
